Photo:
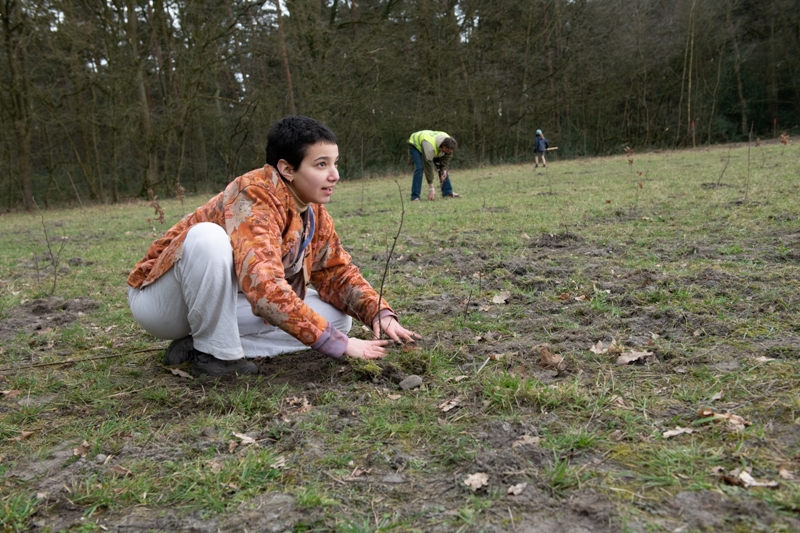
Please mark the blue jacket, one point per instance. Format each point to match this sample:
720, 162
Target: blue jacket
541, 144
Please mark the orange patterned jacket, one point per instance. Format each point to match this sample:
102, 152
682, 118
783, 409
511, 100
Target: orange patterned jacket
259, 214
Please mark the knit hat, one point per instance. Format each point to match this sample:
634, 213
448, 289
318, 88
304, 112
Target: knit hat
538, 132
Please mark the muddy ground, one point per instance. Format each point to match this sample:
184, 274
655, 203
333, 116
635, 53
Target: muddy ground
434, 500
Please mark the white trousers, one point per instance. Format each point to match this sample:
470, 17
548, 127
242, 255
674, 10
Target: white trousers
200, 296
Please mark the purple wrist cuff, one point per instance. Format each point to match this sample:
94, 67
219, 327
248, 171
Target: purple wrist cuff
384, 313
332, 342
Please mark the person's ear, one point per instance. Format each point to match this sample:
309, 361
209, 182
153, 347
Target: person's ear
286, 170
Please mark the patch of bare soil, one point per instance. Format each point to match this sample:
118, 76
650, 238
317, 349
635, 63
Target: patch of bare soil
38, 315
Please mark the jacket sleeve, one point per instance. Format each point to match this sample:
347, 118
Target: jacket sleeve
337, 280
254, 219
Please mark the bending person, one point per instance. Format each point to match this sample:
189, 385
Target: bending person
431, 150
228, 282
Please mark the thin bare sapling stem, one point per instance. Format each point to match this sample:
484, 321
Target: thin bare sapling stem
55, 258
389, 255
725, 167
747, 182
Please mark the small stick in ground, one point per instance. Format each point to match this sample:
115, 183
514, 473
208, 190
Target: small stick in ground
391, 251
725, 167
747, 183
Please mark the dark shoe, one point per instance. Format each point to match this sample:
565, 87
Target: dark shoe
205, 364
415, 199
535, 166
179, 351
545, 166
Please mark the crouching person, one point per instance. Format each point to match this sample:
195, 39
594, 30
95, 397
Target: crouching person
229, 281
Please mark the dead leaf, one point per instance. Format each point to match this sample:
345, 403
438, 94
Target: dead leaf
525, 440
10, 393
618, 400
749, 481
476, 481
525, 236
496, 356
501, 298
81, 450
784, 471
279, 463
22, 436
215, 466
717, 396
581, 298
121, 470
517, 489
450, 404
763, 359
680, 370
232, 445
394, 396
600, 349
301, 403
563, 296
630, 357
244, 438
550, 359
677, 431
460, 378
736, 422
616, 435
180, 373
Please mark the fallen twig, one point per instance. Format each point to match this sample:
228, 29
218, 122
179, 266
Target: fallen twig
70, 361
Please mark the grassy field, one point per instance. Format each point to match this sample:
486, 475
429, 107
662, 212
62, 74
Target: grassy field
685, 262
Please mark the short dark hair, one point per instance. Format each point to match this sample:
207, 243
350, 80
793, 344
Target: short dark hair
449, 142
290, 137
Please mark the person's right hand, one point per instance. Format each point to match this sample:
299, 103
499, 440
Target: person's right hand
431, 194
361, 349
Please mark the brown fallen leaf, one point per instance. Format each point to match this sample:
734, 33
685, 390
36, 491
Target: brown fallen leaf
450, 404
763, 359
476, 481
550, 359
501, 298
10, 393
516, 490
180, 373
632, 356
81, 450
785, 471
581, 298
279, 463
394, 396
244, 438
677, 431
743, 478
22, 436
121, 470
215, 466
600, 349
232, 445
563, 296
525, 440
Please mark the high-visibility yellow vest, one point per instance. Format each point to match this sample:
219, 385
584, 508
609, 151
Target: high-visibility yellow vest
426, 135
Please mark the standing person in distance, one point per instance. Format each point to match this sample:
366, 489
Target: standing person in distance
539, 148
229, 281
431, 150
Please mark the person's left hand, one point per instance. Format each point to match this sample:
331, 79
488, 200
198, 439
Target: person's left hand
392, 328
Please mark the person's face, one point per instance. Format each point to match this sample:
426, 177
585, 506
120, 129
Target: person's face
445, 150
313, 181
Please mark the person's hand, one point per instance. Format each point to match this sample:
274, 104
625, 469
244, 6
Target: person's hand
431, 194
442, 175
361, 349
392, 328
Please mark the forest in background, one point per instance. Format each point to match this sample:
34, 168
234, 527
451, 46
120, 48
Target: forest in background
103, 100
